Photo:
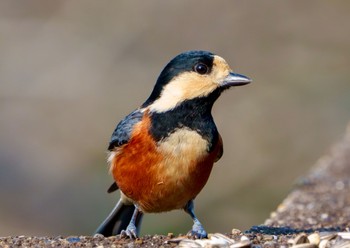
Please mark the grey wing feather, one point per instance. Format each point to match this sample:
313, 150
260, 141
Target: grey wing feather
122, 132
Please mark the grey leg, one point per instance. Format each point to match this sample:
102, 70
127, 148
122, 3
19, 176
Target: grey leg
197, 228
131, 230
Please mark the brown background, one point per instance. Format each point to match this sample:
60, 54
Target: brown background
70, 70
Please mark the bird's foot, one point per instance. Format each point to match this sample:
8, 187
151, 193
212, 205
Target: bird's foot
130, 232
198, 231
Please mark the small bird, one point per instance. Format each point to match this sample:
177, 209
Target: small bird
161, 154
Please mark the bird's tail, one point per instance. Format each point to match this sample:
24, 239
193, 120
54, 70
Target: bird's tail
118, 220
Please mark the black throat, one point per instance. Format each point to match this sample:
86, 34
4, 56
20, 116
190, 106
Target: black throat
194, 114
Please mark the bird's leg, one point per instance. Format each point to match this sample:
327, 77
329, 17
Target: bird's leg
197, 228
131, 230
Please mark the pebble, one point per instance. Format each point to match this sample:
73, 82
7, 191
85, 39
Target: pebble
189, 243
73, 239
235, 231
344, 235
175, 240
327, 236
221, 238
314, 238
98, 236
138, 241
216, 240
241, 244
323, 243
299, 239
268, 237
341, 244
244, 238
270, 244
305, 245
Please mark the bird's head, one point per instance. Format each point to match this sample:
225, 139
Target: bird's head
190, 75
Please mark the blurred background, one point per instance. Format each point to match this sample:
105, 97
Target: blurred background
70, 70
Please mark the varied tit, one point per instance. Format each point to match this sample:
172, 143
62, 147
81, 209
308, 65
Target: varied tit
161, 154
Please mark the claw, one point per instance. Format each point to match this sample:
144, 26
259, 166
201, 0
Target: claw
130, 232
131, 229
198, 231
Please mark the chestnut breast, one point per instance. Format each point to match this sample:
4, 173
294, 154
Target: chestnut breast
164, 175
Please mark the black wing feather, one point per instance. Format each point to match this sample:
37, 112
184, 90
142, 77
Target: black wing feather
122, 132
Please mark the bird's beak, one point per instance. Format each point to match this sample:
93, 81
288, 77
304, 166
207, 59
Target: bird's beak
234, 79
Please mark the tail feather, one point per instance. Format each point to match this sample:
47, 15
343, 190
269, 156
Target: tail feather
118, 220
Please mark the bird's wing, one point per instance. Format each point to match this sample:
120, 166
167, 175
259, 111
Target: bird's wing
121, 136
122, 132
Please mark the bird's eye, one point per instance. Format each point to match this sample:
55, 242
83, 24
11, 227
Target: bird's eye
201, 68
